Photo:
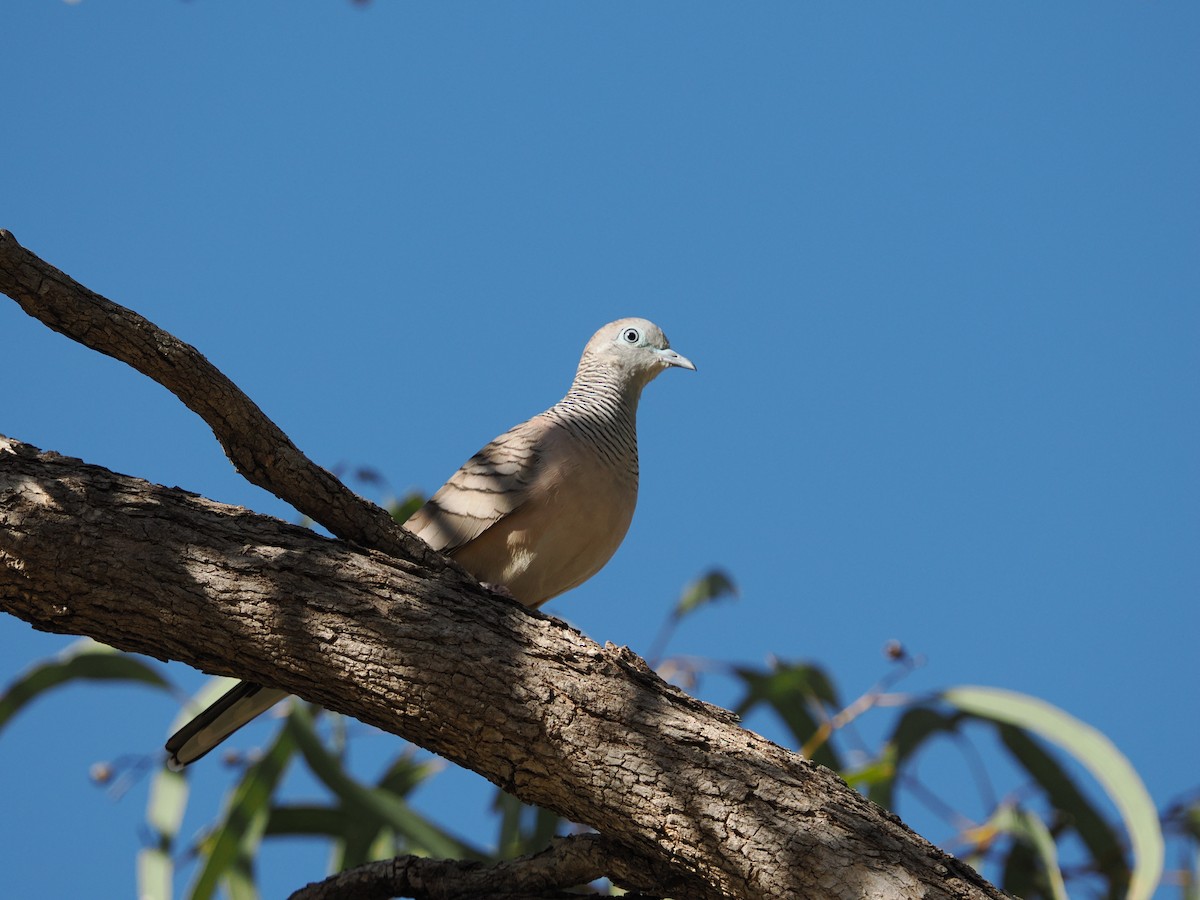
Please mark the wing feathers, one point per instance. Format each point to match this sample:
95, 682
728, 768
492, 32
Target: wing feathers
492, 484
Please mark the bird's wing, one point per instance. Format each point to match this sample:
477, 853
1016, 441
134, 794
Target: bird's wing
492, 484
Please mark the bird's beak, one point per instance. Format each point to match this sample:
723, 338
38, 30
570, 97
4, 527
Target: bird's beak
671, 358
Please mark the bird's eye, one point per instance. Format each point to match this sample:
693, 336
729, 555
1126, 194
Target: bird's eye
631, 335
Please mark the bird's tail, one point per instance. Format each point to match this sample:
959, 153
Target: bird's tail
235, 708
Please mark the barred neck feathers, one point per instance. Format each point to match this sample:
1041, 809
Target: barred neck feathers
601, 406
603, 413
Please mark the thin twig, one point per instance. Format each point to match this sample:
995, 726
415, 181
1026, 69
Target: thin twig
867, 701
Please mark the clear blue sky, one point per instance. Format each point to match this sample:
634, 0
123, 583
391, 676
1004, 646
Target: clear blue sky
938, 264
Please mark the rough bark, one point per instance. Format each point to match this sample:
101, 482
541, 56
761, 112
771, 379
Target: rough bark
692, 805
255, 445
565, 863
519, 697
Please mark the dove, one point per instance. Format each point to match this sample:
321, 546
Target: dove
535, 513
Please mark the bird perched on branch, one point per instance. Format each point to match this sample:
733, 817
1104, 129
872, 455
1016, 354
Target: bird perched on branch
535, 513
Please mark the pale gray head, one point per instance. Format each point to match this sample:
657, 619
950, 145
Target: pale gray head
631, 352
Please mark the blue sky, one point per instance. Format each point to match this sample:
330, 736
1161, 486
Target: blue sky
937, 264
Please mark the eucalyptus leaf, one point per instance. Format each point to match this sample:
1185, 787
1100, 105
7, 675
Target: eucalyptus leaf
167, 804
403, 508
155, 873
244, 820
1098, 836
307, 820
365, 800
1096, 753
83, 660
1026, 827
794, 691
713, 585
914, 727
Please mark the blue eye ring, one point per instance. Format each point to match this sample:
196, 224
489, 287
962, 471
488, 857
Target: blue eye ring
631, 335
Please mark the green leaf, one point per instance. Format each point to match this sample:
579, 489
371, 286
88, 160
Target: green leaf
713, 585
239, 878
1108, 856
1096, 753
1027, 828
83, 660
1019, 875
357, 844
357, 836
362, 800
509, 838
1187, 817
165, 808
545, 826
244, 821
523, 828
407, 772
383, 847
306, 820
912, 730
401, 509
155, 872
877, 772
793, 691
350, 835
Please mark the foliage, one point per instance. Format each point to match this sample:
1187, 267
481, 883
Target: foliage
1045, 838
1023, 832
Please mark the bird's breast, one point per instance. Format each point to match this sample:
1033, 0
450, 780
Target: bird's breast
577, 513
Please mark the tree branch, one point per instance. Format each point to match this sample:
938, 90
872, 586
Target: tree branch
567, 862
254, 444
686, 800
528, 702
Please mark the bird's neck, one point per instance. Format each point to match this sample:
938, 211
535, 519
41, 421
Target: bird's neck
595, 392
603, 410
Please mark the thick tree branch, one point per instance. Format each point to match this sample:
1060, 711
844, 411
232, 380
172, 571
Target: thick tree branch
587, 731
688, 803
256, 445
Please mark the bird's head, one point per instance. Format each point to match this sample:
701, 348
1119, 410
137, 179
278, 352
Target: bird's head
635, 349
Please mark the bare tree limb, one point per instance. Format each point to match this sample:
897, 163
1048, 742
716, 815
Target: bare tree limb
256, 445
688, 802
528, 702
567, 862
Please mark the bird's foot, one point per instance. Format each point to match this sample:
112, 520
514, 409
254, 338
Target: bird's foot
498, 589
